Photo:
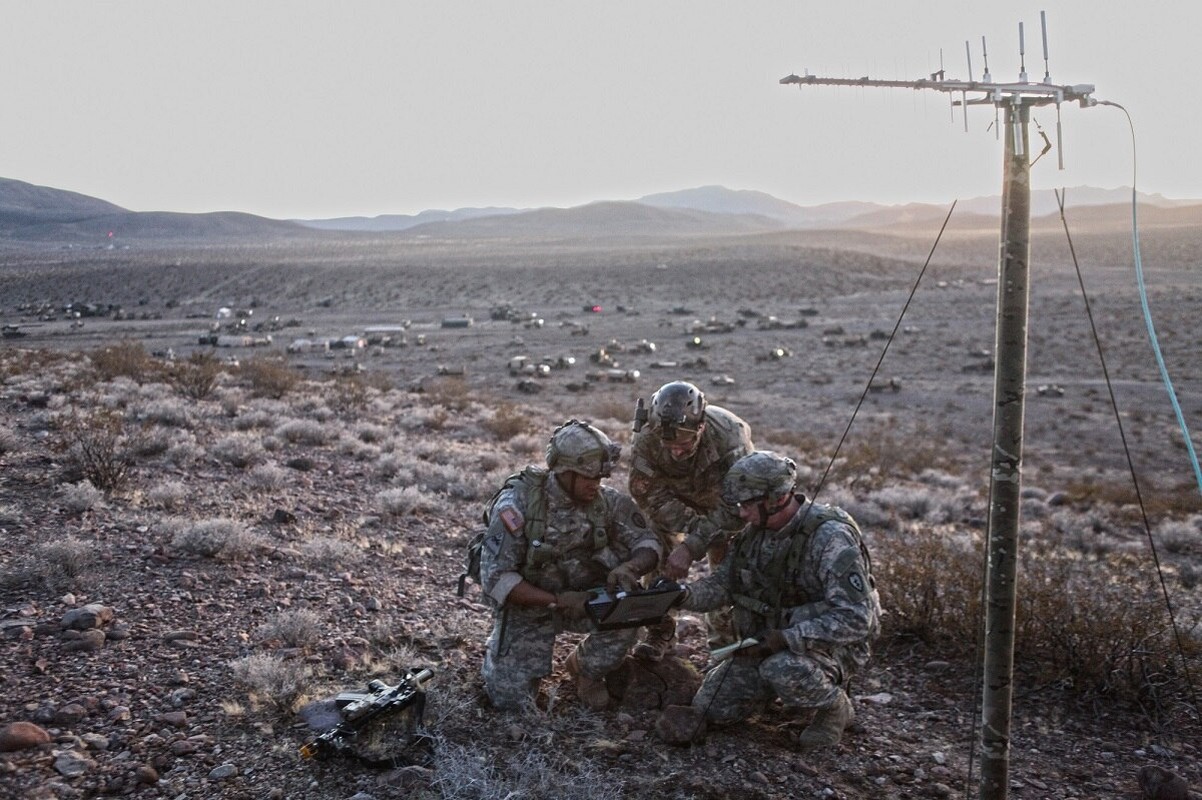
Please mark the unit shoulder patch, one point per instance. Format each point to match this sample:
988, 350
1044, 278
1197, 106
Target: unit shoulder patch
511, 518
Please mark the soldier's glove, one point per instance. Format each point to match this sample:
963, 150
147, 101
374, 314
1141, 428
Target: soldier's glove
571, 604
624, 576
770, 642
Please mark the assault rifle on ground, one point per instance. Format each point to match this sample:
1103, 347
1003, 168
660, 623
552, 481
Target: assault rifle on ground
360, 709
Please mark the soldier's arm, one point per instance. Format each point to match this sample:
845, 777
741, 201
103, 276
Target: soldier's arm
710, 592
846, 613
629, 527
504, 552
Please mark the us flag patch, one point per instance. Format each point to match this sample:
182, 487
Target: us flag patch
511, 518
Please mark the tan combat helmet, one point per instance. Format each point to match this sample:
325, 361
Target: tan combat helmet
578, 447
762, 474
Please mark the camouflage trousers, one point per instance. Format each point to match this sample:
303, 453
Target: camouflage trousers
740, 687
521, 646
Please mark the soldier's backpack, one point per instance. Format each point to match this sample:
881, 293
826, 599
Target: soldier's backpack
535, 479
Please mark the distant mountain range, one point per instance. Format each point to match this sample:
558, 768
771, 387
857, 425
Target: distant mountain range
43, 214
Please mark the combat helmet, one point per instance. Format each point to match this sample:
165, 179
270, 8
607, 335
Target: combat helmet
677, 405
578, 447
760, 474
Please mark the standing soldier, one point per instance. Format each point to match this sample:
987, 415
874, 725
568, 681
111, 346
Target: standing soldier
678, 462
554, 534
799, 579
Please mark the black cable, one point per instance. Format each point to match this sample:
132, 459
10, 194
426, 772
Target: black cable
876, 369
1143, 512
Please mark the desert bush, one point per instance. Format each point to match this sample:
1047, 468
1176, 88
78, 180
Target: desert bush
406, 500
125, 359
330, 552
468, 772
184, 451
173, 413
269, 377
370, 433
197, 377
303, 431
268, 476
56, 565
507, 421
451, 392
1093, 624
80, 497
10, 515
271, 680
1177, 536
99, 449
214, 538
9, 442
237, 450
299, 627
169, 495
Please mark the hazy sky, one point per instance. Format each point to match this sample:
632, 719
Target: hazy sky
301, 108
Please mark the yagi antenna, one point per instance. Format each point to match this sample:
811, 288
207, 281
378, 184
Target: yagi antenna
1002, 95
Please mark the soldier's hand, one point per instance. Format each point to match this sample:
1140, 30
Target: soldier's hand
770, 642
571, 604
623, 576
678, 563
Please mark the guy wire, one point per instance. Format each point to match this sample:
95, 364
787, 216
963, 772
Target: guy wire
1168, 603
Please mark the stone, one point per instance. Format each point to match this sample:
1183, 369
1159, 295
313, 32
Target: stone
89, 641
93, 615
679, 724
21, 736
71, 764
222, 772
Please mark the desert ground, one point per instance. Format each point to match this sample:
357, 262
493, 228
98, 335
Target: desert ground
351, 495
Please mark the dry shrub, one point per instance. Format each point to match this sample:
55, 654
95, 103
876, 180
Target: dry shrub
99, 449
403, 501
125, 359
214, 538
197, 377
55, 565
450, 392
303, 431
1092, 624
8, 440
298, 627
930, 582
81, 497
1178, 501
269, 377
508, 421
271, 680
168, 495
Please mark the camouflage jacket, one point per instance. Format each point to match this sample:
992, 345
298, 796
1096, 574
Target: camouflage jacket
817, 589
578, 546
686, 496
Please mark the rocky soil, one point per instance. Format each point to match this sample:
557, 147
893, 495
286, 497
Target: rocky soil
121, 650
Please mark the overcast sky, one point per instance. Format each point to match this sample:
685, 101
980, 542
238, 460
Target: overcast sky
308, 108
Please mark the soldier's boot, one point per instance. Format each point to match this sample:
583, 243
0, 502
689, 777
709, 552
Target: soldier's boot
827, 727
592, 692
659, 640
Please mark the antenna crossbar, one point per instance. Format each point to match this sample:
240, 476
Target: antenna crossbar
997, 93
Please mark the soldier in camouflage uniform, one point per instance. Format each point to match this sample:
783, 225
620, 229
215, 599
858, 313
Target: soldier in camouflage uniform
799, 579
678, 463
553, 535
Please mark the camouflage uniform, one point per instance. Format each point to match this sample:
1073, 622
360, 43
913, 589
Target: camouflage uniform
685, 496
520, 646
828, 611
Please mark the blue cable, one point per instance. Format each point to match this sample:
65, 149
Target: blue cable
1143, 300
